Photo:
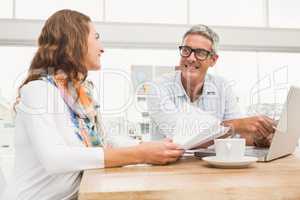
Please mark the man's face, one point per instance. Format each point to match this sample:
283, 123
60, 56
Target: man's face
191, 66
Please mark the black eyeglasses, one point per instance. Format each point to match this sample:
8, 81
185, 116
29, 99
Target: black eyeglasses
200, 54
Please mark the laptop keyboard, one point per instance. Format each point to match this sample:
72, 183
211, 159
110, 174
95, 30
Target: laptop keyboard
256, 152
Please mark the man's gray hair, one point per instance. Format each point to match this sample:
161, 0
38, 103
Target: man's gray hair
207, 32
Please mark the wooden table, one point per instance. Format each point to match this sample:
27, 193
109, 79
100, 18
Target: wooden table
191, 178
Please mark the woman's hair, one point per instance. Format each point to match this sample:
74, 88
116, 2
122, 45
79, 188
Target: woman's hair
62, 46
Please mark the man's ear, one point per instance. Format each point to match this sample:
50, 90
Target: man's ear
214, 59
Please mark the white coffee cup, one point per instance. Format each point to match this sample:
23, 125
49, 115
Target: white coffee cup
230, 149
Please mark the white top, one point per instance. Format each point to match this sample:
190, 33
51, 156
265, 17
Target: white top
2, 181
167, 97
49, 157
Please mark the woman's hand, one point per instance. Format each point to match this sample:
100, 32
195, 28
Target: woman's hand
160, 152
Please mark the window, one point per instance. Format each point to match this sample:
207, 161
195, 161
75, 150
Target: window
24, 9
114, 84
284, 14
255, 77
155, 11
277, 71
227, 13
240, 69
15, 63
6, 9
259, 78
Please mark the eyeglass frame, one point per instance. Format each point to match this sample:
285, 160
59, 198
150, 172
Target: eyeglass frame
209, 53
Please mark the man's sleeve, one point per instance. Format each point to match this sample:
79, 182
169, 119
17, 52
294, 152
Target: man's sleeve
232, 109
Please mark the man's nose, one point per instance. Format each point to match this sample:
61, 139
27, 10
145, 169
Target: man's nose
192, 57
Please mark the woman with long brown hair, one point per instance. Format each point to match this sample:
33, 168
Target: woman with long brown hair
58, 127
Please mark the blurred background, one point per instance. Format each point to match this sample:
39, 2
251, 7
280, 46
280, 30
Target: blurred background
259, 53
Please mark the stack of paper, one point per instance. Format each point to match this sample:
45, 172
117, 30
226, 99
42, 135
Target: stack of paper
196, 128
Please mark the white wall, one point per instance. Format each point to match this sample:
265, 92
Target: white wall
257, 13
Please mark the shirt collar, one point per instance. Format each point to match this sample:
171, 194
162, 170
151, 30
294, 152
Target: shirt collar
209, 88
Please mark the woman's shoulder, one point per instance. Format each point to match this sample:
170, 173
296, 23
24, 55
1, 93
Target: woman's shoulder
34, 85
37, 87
38, 94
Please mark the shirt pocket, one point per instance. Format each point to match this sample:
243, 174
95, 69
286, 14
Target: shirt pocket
212, 105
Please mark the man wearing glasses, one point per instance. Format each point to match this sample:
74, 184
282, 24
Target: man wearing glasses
192, 85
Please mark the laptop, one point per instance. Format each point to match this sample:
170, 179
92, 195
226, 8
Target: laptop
286, 135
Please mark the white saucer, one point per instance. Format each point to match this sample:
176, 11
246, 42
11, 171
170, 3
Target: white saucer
243, 162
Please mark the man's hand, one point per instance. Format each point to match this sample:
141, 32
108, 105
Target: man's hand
263, 141
253, 128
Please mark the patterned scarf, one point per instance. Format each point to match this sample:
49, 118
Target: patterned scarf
83, 109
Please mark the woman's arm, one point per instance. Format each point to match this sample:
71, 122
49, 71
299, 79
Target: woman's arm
50, 131
48, 137
161, 152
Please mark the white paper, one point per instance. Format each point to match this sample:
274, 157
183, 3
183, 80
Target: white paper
197, 127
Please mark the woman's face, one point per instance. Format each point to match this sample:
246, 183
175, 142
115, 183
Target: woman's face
95, 49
